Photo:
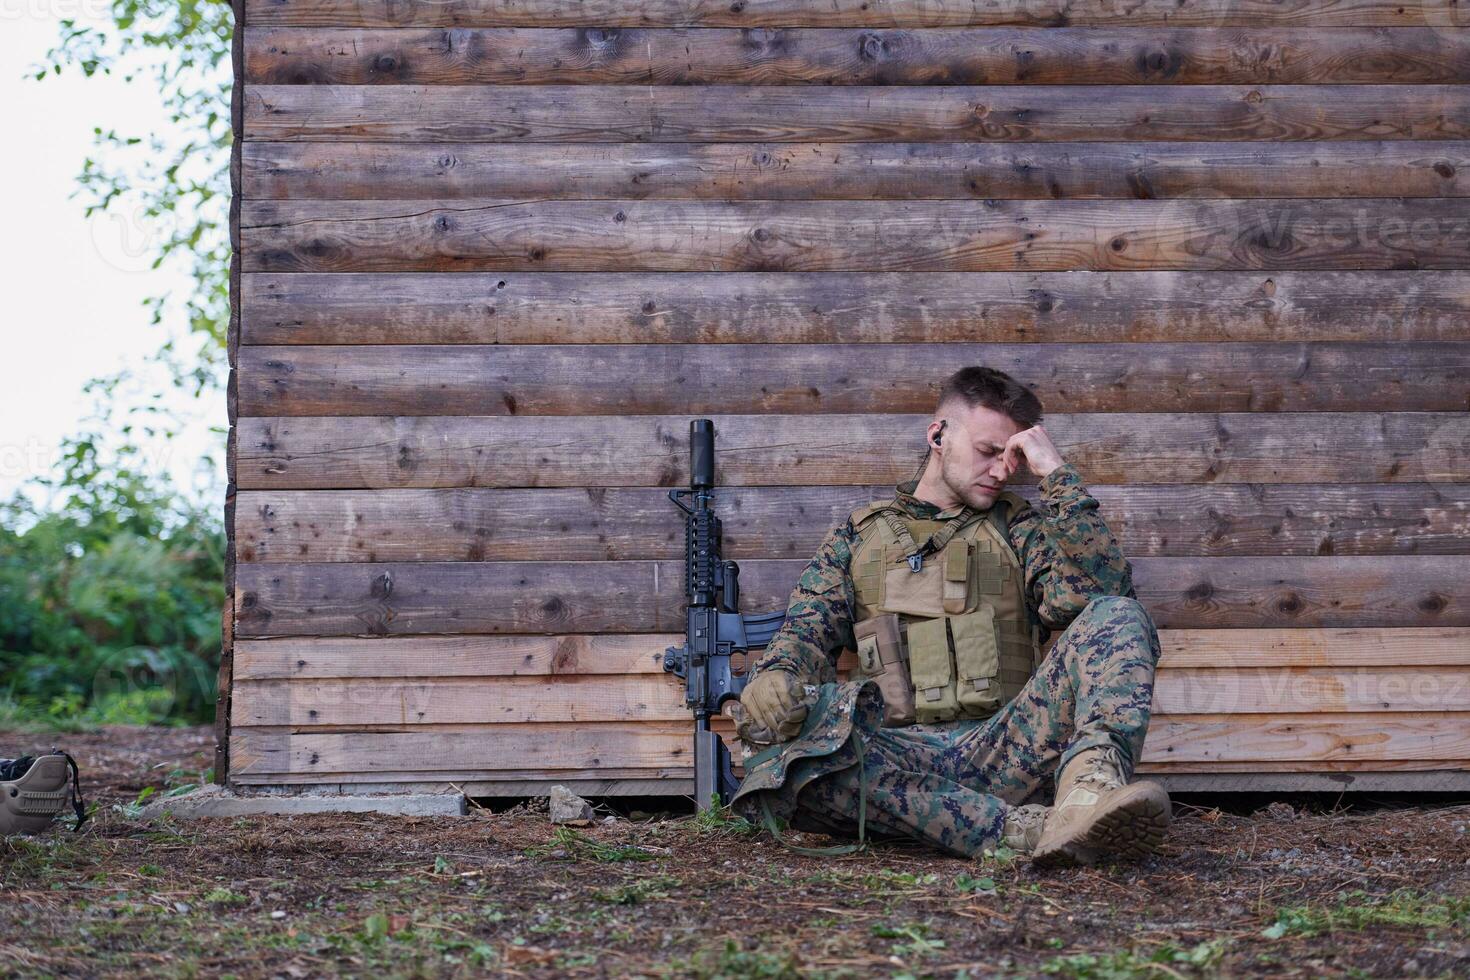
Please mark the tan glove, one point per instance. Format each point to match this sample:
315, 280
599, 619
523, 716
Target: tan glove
773, 707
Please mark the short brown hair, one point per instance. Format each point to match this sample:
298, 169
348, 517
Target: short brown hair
992, 389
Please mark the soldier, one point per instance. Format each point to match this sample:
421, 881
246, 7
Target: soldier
947, 593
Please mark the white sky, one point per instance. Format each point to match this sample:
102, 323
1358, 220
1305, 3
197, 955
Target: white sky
71, 288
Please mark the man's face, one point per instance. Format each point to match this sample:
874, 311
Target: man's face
973, 441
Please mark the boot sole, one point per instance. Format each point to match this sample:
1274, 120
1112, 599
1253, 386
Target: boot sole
1132, 827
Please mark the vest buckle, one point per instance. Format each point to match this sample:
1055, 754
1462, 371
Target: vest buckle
916, 561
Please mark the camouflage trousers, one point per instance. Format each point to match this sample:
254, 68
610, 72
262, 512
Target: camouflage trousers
950, 786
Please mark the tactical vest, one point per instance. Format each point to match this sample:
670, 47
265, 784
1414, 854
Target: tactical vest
946, 635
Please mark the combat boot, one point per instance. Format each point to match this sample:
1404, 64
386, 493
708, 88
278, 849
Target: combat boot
1022, 828
1098, 813
34, 793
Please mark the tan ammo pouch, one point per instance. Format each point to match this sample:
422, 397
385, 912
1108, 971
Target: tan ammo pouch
955, 663
882, 656
941, 586
932, 666
977, 661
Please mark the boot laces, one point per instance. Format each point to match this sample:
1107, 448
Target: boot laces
1103, 769
1023, 826
1101, 772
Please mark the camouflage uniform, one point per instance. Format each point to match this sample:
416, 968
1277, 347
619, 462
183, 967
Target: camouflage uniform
950, 784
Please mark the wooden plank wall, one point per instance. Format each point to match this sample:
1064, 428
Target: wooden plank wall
492, 255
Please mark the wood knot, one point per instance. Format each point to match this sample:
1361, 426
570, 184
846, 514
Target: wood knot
1199, 592
1434, 603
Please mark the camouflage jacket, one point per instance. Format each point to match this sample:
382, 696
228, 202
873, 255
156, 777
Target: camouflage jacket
1068, 553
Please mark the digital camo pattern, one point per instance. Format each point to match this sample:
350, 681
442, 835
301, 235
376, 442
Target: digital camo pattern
1066, 548
950, 785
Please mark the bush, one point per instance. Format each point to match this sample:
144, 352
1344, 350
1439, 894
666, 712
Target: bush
109, 602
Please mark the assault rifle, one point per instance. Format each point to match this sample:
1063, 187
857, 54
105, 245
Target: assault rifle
715, 629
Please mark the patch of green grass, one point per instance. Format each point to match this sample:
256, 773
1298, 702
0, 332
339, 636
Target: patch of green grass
579, 847
999, 855
224, 896
551, 927
723, 820
733, 963
975, 886
1400, 909
36, 858
1131, 964
638, 892
883, 883
917, 942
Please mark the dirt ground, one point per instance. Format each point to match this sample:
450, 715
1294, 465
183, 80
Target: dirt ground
1285, 891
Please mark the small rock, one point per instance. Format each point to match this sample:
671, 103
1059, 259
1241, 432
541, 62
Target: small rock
567, 807
609, 821
278, 914
181, 907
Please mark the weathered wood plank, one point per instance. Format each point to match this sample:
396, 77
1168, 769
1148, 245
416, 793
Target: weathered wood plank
882, 236
1371, 739
854, 56
1288, 777
1374, 738
468, 701
332, 657
856, 113
572, 700
345, 657
1431, 646
851, 13
1265, 690
568, 596
863, 450
1326, 766
820, 379
841, 307
620, 523
490, 747
483, 782
867, 171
